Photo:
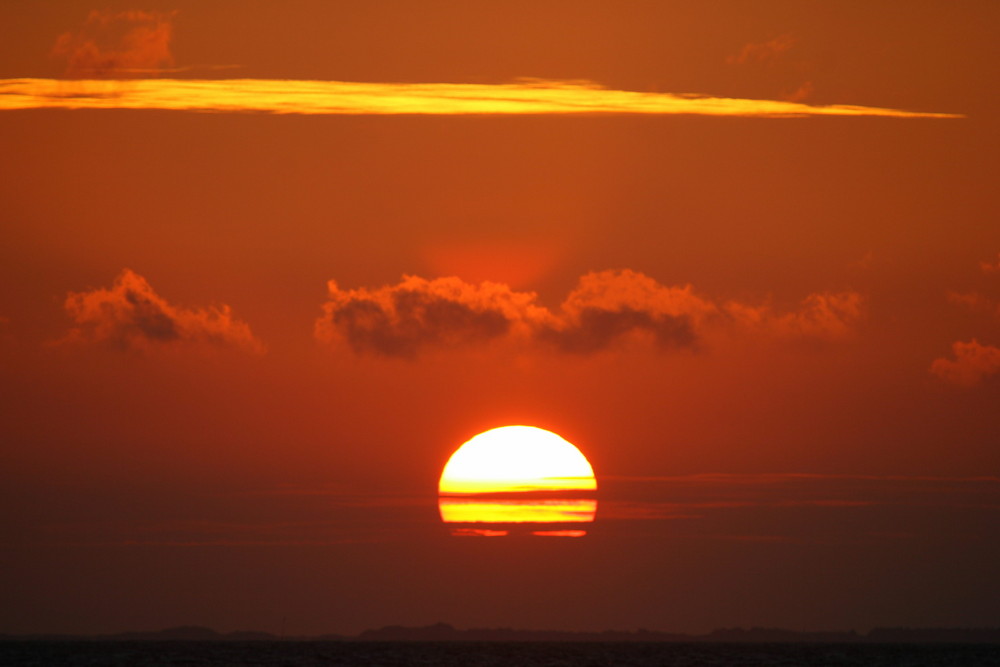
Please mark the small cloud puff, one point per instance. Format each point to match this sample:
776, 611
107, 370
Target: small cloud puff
131, 315
114, 43
605, 308
973, 362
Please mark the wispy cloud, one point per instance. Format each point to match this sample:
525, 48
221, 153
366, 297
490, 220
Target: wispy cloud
775, 63
130, 315
766, 479
267, 519
699, 495
605, 309
767, 52
206, 533
523, 97
824, 315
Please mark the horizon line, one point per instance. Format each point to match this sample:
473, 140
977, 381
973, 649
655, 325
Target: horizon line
722, 634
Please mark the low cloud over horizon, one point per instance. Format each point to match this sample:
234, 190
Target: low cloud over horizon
131, 316
605, 309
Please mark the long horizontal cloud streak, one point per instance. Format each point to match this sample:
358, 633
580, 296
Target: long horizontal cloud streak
280, 96
606, 309
702, 495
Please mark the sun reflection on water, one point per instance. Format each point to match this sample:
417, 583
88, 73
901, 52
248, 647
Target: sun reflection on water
492, 517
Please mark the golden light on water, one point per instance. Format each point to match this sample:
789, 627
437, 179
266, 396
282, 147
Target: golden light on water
472, 510
517, 479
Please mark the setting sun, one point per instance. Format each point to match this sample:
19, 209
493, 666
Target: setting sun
517, 476
516, 458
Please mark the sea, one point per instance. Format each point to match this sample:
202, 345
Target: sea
488, 654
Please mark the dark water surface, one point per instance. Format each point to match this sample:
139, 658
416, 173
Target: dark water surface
474, 654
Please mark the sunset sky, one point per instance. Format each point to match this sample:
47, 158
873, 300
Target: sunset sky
265, 266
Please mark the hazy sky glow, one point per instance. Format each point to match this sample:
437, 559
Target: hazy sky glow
265, 266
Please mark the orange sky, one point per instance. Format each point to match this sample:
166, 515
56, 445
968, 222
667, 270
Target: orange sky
237, 346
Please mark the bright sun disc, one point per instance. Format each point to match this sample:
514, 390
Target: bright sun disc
516, 459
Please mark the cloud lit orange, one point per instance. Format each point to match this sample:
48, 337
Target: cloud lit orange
284, 96
113, 43
130, 315
605, 308
973, 363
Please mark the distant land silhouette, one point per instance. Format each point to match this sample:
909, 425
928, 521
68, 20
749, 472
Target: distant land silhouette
442, 632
